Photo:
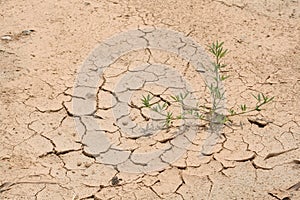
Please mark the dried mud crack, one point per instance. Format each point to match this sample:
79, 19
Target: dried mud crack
109, 146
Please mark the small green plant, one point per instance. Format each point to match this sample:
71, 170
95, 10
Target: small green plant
210, 115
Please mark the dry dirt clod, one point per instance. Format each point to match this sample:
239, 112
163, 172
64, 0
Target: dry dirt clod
273, 154
295, 187
296, 161
280, 194
261, 123
115, 180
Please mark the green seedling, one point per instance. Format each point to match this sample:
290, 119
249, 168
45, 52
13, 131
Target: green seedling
146, 100
169, 119
204, 113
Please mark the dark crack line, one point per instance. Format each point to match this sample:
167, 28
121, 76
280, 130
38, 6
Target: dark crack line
7, 185
37, 193
211, 186
274, 154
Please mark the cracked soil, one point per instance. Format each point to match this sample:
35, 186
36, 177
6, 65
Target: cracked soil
51, 149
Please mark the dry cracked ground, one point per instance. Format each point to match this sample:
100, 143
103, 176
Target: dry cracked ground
72, 125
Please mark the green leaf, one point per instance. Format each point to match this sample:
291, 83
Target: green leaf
155, 109
146, 100
159, 107
270, 99
186, 94
173, 97
190, 112
169, 115
264, 97
257, 108
221, 44
244, 107
223, 65
179, 117
224, 77
164, 105
232, 112
169, 118
223, 53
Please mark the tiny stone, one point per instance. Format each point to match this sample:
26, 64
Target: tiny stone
27, 32
87, 165
200, 70
6, 37
115, 180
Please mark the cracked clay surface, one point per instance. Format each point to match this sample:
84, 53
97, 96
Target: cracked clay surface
72, 125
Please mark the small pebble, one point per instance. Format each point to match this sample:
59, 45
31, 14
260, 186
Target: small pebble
115, 180
27, 32
87, 165
6, 37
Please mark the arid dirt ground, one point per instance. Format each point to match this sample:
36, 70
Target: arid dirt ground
45, 155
